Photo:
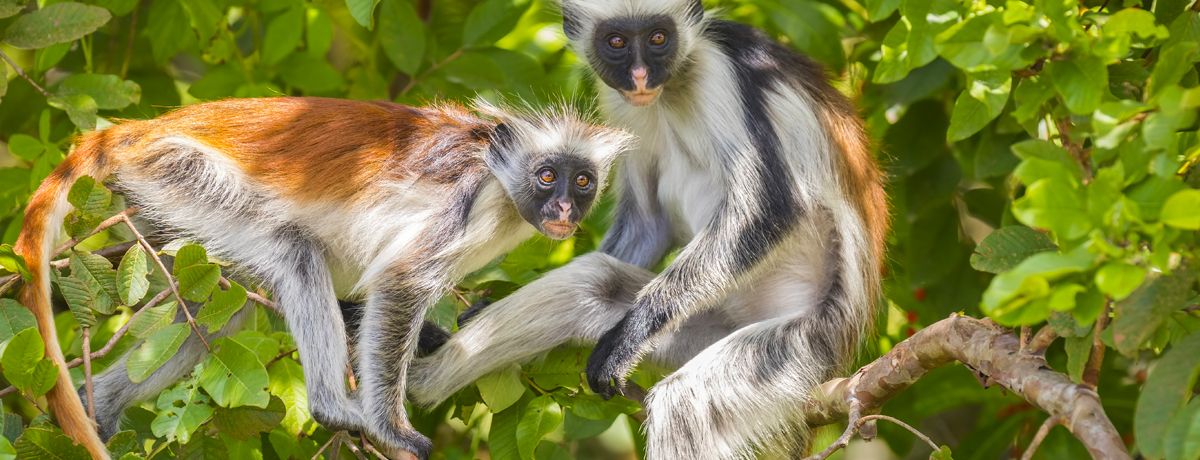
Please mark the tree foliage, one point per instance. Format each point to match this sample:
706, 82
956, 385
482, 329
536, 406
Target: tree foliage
1041, 157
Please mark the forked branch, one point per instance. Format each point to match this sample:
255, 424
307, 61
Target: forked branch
987, 349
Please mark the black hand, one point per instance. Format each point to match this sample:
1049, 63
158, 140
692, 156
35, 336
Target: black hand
615, 356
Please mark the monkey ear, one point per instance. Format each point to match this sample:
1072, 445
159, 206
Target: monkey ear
572, 25
502, 136
696, 11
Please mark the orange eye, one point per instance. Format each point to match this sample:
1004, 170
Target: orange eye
583, 181
616, 42
658, 38
547, 176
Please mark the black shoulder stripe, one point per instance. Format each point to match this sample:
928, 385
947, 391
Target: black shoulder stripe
757, 73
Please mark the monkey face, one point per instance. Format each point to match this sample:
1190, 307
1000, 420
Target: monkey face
634, 55
560, 191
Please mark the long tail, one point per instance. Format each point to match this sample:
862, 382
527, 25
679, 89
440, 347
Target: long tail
46, 209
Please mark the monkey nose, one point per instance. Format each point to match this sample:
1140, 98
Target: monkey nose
565, 206
640, 76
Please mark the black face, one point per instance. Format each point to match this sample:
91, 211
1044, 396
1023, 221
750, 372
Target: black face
561, 189
634, 55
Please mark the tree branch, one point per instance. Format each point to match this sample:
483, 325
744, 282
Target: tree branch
987, 349
170, 280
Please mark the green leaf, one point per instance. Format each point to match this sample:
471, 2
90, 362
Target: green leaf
943, 453
132, 280
1167, 388
248, 422
1182, 210
982, 102
181, 411
491, 20
80, 108
283, 35
197, 282
1119, 279
402, 35
42, 378
189, 255
1140, 315
21, 355
502, 388
287, 383
11, 7
109, 91
14, 318
878, 10
1011, 297
310, 73
89, 196
122, 443
155, 351
363, 11
3, 77
1182, 440
7, 451
163, 30
100, 277
11, 262
1081, 80
502, 439
234, 376
56, 23
224, 304
1006, 247
47, 442
1055, 205
80, 299
1078, 349
153, 320
541, 417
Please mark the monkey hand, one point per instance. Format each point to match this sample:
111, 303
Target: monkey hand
615, 355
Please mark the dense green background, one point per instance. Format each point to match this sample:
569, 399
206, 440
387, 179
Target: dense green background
1069, 126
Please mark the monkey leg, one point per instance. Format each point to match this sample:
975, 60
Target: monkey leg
575, 303
743, 395
113, 392
303, 289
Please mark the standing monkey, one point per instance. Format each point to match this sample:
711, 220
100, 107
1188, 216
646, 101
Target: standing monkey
761, 170
314, 196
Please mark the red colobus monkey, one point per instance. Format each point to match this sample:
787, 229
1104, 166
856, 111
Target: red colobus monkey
314, 197
760, 170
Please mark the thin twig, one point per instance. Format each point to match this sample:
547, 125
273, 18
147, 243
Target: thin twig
461, 298
1044, 430
170, 281
914, 431
8, 282
327, 444
1091, 372
855, 414
122, 216
433, 68
22, 74
112, 342
87, 373
251, 296
133, 20
1041, 341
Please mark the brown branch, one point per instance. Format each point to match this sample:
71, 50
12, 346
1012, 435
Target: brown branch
87, 373
987, 349
170, 281
1041, 341
22, 74
252, 296
433, 68
1042, 432
1091, 372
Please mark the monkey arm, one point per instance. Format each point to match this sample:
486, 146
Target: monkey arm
756, 214
640, 233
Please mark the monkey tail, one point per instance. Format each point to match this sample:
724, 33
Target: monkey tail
46, 210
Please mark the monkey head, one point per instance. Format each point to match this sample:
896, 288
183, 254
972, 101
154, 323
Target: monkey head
552, 163
633, 47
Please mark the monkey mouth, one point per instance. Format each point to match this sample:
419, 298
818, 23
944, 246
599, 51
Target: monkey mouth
558, 229
641, 97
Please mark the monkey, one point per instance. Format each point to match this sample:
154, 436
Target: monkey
759, 171
316, 198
